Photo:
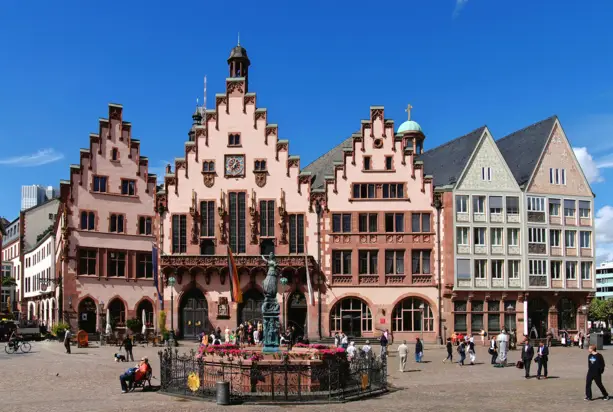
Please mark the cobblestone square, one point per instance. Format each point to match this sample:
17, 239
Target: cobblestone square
87, 380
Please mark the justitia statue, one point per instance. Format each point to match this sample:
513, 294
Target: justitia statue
270, 307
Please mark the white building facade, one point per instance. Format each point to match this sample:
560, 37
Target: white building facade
39, 291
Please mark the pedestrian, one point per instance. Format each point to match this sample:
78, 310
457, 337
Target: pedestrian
337, 340
366, 349
67, 336
127, 345
595, 369
403, 353
383, 343
581, 340
542, 358
419, 350
471, 351
351, 351
462, 352
449, 351
483, 335
344, 341
493, 350
527, 354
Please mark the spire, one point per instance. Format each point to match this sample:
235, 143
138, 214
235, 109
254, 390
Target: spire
238, 63
238, 43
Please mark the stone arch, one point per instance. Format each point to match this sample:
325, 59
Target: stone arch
87, 310
118, 309
145, 303
352, 315
193, 313
406, 315
250, 310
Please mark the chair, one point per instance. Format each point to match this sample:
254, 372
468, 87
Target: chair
141, 382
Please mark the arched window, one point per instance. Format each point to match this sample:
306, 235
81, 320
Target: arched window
351, 316
117, 312
567, 314
147, 307
412, 315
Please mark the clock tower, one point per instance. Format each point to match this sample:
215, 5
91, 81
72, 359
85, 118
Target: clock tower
238, 64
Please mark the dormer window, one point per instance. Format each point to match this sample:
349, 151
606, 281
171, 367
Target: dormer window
260, 165
234, 139
208, 166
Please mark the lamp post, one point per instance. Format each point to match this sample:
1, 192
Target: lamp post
422, 308
318, 210
171, 283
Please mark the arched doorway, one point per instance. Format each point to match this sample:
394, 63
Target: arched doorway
251, 308
147, 306
538, 313
297, 313
87, 315
193, 313
410, 316
567, 314
117, 312
352, 316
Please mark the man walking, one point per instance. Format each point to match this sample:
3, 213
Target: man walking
595, 369
462, 352
542, 356
527, 354
127, 345
383, 342
403, 353
67, 337
471, 351
449, 351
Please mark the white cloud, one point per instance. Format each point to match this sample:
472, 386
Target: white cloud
604, 234
590, 167
42, 157
459, 5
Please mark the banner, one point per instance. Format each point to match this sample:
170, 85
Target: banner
235, 288
154, 263
309, 285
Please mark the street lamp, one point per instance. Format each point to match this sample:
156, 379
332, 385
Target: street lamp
422, 307
171, 283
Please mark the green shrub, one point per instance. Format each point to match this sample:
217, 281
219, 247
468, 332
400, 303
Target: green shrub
59, 328
162, 322
135, 325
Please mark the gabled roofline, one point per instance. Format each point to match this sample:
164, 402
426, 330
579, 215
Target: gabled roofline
472, 156
543, 151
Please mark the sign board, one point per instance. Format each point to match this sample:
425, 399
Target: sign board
382, 321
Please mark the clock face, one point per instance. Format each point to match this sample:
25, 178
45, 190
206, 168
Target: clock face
235, 165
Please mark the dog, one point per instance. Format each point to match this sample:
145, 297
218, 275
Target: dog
120, 358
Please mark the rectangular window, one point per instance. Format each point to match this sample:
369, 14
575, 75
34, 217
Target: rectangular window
571, 270
208, 166
554, 207
88, 220
179, 234
296, 233
536, 235
585, 239
234, 139
479, 236
87, 261
478, 204
420, 262
496, 235
394, 262
461, 204
586, 270
368, 222
556, 270
493, 322
393, 190
367, 161
341, 262
496, 205
569, 238
513, 237
476, 320
144, 265
207, 218
463, 271
459, 322
513, 269
116, 223
99, 184
512, 205
341, 222
259, 165
388, 163
537, 267
569, 208
480, 269
394, 222
116, 264
584, 209
486, 174
420, 222
363, 191
128, 187
367, 264
536, 204
554, 237
497, 269
267, 218
237, 222
144, 225
114, 154
462, 236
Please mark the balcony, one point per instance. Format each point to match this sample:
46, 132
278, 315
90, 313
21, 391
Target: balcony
480, 250
496, 218
481, 283
498, 283
463, 249
513, 250
537, 248
512, 217
515, 283
462, 217
479, 217
537, 280
465, 283
497, 250
536, 217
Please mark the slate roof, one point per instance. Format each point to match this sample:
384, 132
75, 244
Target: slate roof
446, 162
522, 149
324, 165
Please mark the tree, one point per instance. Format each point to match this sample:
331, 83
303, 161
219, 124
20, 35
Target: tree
8, 282
601, 310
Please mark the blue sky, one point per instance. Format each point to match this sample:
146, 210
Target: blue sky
317, 66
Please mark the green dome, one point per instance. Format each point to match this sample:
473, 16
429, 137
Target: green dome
409, 126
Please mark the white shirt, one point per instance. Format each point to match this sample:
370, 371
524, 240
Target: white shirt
366, 348
344, 340
403, 350
351, 351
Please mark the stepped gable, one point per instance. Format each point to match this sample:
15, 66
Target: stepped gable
324, 165
446, 162
522, 149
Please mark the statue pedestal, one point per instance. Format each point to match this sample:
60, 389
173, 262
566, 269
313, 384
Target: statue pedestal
271, 331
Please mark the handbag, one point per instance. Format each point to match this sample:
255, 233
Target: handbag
519, 364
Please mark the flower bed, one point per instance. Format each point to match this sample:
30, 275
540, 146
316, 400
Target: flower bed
299, 352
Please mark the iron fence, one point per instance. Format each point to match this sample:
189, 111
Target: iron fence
331, 380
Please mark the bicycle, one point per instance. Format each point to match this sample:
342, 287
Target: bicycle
15, 346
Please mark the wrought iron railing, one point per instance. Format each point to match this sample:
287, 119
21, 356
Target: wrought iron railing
296, 381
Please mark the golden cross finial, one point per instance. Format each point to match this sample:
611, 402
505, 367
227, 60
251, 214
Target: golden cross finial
408, 110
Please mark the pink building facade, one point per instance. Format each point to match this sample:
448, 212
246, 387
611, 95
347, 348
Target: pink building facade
105, 232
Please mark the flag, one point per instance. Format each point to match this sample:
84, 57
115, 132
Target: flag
156, 283
308, 276
235, 287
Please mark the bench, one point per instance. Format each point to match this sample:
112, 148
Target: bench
141, 383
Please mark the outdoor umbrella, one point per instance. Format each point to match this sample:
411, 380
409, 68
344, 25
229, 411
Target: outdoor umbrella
109, 329
144, 323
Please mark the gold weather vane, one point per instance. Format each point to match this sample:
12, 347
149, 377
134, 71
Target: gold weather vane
408, 110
